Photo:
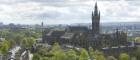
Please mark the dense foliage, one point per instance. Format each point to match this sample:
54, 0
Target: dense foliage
26, 38
22, 37
57, 53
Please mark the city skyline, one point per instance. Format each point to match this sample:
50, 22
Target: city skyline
67, 12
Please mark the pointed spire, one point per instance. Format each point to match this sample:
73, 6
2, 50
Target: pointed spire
92, 13
95, 4
96, 9
99, 13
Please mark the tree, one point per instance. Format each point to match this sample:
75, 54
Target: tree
19, 38
137, 39
133, 58
84, 55
12, 43
42, 51
4, 47
31, 41
99, 55
59, 55
55, 48
45, 58
57, 52
138, 53
24, 43
91, 53
71, 55
124, 56
111, 58
96, 54
4, 32
28, 42
36, 57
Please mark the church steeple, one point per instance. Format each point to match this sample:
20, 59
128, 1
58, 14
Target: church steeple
99, 15
96, 10
96, 20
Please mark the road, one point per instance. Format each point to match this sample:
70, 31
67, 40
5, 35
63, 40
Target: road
13, 52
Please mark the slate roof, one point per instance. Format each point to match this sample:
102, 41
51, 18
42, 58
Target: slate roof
68, 35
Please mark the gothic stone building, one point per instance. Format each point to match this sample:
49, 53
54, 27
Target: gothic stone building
81, 36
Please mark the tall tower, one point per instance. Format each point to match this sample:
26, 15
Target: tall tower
96, 20
42, 25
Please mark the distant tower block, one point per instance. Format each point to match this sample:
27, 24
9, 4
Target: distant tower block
96, 20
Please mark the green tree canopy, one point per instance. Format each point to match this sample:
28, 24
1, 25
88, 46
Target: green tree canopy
57, 52
111, 58
99, 55
138, 53
91, 53
36, 57
133, 58
137, 39
55, 48
4, 46
124, 56
59, 55
84, 55
71, 55
28, 42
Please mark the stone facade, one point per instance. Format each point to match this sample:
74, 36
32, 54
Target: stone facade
81, 36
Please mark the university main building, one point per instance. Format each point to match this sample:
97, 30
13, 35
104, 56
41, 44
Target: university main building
84, 37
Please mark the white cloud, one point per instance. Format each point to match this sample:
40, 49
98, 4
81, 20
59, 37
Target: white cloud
66, 11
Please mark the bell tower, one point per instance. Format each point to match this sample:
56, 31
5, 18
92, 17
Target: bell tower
95, 20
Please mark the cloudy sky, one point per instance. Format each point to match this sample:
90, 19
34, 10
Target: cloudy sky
67, 11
